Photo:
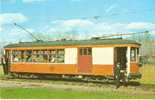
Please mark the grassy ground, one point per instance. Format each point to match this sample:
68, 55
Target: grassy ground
1, 71
38, 93
148, 72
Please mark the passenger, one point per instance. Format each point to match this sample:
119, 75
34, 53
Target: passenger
52, 60
40, 58
16, 59
29, 58
45, 57
34, 58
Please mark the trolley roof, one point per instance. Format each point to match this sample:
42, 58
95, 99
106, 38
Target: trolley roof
72, 43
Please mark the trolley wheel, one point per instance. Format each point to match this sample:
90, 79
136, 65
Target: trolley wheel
11, 75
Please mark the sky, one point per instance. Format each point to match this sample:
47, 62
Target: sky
74, 19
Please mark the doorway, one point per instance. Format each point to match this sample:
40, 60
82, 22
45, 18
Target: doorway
84, 60
120, 57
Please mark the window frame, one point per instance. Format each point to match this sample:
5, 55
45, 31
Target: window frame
35, 53
135, 54
86, 51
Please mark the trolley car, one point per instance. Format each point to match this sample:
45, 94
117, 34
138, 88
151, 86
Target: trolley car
93, 57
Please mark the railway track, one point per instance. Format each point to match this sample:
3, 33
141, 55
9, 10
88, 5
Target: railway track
72, 84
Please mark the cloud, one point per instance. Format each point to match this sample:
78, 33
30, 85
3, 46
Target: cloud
152, 32
17, 32
82, 28
140, 25
67, 28
7, 18
14, 34
31, 1
73, 25
10, 33
1, 29
76, 23
76, 29
85, 26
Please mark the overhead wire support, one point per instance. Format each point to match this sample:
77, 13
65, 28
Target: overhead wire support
122, 34
30, 33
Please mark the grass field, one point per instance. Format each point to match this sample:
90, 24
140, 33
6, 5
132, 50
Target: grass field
148, 74
38, 93
148, 78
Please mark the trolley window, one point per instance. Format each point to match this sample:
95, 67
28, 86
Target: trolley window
85, 51
133, 54
42, 56
57, 56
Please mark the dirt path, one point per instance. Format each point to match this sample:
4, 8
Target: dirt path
57, 85
74, 86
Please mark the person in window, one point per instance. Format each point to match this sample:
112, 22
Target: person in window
133, 56
52, 60
45, 57
16, 59
29, 58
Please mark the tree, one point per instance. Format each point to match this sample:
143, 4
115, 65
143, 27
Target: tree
147, 44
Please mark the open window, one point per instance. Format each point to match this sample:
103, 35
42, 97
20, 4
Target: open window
133, 54
57, 56
16, 56
21, 56
42, 56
